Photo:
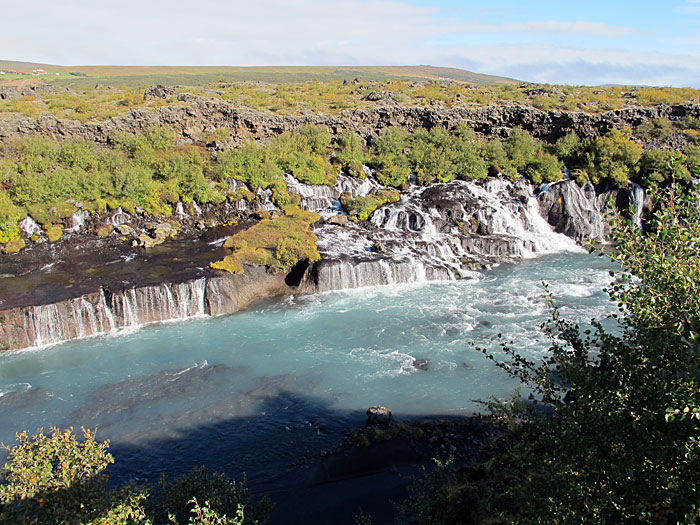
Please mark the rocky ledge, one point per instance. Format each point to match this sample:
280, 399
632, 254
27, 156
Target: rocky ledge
199, 115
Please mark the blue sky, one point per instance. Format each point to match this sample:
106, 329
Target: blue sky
593, 42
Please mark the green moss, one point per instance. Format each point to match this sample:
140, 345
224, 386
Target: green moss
104, 231
278, 243
363, 207
14, 245
54, 232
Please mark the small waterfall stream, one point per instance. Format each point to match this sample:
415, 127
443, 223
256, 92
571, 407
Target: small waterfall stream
637, 203
95, 314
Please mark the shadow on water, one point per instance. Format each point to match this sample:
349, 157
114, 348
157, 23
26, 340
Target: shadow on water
276, 429
280, 452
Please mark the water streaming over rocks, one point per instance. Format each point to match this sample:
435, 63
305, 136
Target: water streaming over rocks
444, 232
637, 203
105, 312
574, 210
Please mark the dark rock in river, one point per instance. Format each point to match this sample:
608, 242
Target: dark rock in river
378, 415
421, 364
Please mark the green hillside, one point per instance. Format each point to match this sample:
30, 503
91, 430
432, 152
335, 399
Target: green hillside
136, 76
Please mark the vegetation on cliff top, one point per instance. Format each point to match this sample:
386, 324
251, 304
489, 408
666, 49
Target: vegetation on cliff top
85, 101
278, 243
49, 179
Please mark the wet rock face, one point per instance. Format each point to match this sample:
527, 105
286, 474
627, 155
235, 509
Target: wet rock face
574, 211
108, 310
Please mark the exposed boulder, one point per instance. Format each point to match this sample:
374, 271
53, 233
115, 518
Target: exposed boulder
379, 415
338, 220
125, 229
421, 364
159, 91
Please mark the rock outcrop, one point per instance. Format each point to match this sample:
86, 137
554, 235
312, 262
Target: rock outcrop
574, 211
201, 115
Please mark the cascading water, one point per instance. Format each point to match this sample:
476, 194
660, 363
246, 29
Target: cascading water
434, 234
80, 317
92, 314
637, 203
574, 211
441, 233
165, 302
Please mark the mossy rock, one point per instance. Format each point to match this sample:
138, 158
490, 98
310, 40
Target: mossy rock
47, 216
15, 245
63, 210
54, 232
228, 264
104, 231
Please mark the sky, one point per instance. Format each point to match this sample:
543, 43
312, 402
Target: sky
645, 42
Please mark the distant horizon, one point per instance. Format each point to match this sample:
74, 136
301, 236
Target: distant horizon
302, 66
624, 43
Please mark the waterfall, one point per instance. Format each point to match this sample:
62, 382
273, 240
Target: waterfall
637, 203
349, 274
79, 317
164, 302
356, 187
443, 232
95, 314
314, 197
76, 221
572, 210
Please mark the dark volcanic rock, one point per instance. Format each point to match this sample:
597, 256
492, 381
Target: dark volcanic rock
159, 91
378, 415
202, 115
421, 364
574, 211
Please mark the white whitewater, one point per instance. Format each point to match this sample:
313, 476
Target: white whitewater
416, 240
129, 309
637, 203
442, 233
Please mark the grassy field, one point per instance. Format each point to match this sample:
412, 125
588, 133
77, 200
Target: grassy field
98, 93
139, 76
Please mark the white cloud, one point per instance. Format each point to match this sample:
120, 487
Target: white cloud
320, 32
559, 64
553, 27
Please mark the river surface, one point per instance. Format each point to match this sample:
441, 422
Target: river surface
259, 391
